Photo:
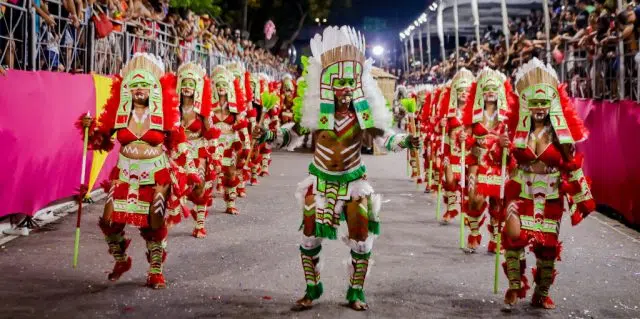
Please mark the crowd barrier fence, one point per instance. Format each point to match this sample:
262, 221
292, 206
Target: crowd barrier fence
27, 42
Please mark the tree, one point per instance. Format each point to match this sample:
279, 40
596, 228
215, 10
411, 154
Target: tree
211, 7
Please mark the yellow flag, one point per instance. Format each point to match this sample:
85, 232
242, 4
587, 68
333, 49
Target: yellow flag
103, 89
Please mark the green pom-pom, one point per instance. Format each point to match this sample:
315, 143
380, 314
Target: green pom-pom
269, 101
409, 105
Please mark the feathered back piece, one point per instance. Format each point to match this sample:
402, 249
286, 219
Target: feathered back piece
537, 81
339, 53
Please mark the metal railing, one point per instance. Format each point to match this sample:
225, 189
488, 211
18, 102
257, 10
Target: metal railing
28, 42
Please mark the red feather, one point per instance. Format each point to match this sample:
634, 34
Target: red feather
205, 109
578, 131
444, 103
426, 108
467, 111
247, 86
107, 118
240, 101
240, 124
513, 115
170, 102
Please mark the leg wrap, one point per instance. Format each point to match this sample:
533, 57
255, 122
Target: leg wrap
156, 248
544, 274
230, 191
200, 215
452, 199
514, 266
114, 236
360, 254
310, 255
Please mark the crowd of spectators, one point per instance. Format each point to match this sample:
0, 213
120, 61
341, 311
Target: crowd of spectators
62, 34
584, 41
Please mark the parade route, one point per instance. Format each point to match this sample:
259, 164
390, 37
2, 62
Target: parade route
249, 265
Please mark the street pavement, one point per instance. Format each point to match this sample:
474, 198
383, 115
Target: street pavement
249, 265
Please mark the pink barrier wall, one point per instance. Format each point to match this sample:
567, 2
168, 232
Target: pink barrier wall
612, 154
41, 150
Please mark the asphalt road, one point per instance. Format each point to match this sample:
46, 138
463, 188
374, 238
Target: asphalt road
249, 265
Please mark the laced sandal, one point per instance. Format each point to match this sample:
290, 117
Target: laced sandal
358, 305
302, 304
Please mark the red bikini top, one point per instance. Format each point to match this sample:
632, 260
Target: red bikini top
551, 156
195, 126
152, 137
230, 119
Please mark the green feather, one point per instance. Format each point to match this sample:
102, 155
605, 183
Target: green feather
409, 105
269, 100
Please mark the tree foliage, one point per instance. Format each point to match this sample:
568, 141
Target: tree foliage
210, 7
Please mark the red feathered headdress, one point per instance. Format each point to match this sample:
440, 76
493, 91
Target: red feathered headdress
575, 124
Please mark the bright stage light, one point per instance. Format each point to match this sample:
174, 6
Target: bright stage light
378, 50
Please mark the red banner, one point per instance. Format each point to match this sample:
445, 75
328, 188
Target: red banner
41, 149
612, 154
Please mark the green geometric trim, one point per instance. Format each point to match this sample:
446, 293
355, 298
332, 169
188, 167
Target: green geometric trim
342, 178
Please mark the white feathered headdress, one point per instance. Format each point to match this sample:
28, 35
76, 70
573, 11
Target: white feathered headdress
340, 53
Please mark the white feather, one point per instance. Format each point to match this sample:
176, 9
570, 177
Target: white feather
382, 116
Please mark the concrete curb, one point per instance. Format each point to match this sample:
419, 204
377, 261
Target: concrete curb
59, 210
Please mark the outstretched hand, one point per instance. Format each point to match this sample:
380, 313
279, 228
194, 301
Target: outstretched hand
86, 121
415, 141
504, 140
258, 132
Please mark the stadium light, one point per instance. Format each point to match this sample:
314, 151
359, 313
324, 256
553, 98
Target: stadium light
317, 20
324, 20
378, 50
416, 23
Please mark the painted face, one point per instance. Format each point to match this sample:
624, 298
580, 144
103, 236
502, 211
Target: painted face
343, 89
188, 87
490, 93
539, 108
140, 92
463, 94
222, 88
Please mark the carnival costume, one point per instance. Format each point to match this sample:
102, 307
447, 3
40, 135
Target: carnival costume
194, 85
452, 104
485, 159
249, 115
341, 102
545, 130
228, 104
145, 175
433, 140
261, 159
288, 94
